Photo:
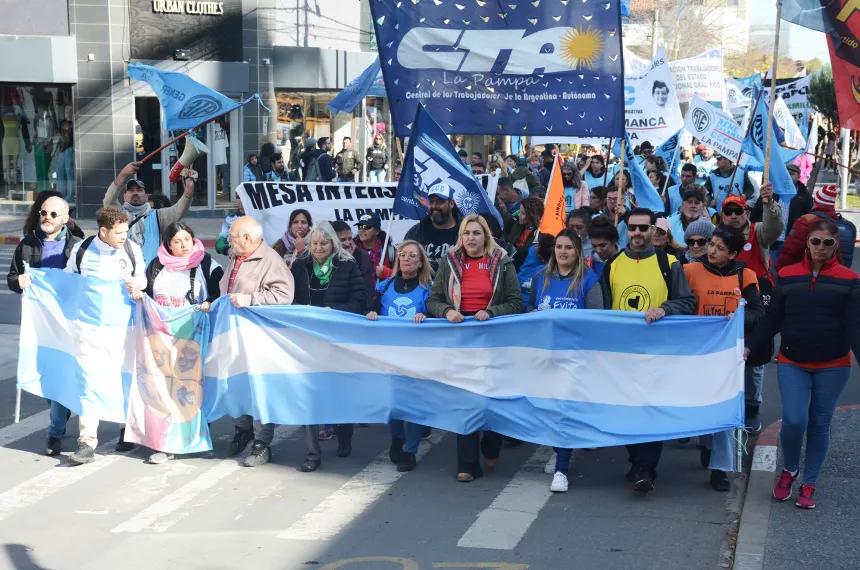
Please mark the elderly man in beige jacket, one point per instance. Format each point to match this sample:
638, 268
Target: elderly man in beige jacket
256, 275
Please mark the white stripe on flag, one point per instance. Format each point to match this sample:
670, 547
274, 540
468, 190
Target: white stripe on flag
167, 511
504, 523
42, 486
346, 504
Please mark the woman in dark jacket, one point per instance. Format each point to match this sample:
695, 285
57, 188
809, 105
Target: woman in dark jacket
477, 279
328, 277
816, 309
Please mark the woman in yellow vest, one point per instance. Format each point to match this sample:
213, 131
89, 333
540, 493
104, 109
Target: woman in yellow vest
719, 282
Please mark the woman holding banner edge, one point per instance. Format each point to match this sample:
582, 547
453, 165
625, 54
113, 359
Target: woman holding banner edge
566, 283
404, 295
476, 278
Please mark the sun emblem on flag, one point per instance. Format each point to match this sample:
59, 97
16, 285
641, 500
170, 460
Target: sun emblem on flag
581, 47
465, 201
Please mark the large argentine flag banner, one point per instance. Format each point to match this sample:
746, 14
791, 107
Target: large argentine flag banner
77, 343
562, 378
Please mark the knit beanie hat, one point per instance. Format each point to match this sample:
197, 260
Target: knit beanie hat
826, 196
701, 227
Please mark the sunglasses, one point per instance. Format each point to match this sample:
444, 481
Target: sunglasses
828, 242
697, 242
660, 231
733, 211
641, 227
46, 213
366, 227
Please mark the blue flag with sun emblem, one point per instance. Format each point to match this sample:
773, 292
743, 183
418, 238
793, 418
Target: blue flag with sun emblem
430, 160
184, 102
518, 67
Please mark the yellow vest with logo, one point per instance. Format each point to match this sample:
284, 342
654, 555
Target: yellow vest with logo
637, 285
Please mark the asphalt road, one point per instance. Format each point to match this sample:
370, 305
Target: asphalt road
355, 513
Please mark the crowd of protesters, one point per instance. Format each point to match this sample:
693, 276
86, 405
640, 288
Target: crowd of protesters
721, 239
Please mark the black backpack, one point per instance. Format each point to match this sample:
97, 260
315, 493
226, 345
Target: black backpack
79, 256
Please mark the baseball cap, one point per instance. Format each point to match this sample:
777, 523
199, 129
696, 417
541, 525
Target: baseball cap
735, 199
662, 223
134, 181
371, 220
442, 190
310, 141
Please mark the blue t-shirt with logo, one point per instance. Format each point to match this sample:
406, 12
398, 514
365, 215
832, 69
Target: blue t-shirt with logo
402, 305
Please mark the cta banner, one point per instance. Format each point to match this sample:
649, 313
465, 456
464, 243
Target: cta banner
701, 75
714, 128
651, 109
518, 67
270, 203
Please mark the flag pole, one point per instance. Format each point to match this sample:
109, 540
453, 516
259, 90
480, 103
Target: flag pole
623, 190
769, 126
385, 243
606, 161
753, 110
671, 169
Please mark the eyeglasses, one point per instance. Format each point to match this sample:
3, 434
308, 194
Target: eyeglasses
733, 211
46, 213
641, 227
697, 242
828, 242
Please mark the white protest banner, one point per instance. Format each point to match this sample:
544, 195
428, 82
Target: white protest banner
796, 97
651, 109
793, 137
700, 75
270, 203
714, 128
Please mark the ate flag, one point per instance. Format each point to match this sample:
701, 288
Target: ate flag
846, 82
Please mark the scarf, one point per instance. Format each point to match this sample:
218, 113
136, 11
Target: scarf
173, 263
136, 232
64, 233
323, 271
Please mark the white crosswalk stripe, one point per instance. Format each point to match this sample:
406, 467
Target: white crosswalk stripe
503, 524
346, 504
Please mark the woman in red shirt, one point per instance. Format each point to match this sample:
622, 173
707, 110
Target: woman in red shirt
477, 279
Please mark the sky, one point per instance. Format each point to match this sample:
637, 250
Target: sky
805, 43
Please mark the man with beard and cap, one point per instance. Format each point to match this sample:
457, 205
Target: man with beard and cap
145, 223
49, 246
438, 230
644, 279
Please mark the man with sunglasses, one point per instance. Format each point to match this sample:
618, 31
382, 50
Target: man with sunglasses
145, 223
720, 178
642, 279
49, 246
756, 256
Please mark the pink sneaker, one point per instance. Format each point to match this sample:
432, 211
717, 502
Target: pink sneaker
782, 488
806, 499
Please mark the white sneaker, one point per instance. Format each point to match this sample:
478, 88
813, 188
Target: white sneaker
160, 457
549, 468
559, 483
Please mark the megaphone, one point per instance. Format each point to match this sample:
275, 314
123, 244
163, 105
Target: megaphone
193, 149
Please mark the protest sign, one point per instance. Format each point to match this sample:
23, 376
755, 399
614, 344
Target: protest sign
651, 109
270, 203
714, 128
700, 75
520, 69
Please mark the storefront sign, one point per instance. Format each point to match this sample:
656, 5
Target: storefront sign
188, 7
205, 29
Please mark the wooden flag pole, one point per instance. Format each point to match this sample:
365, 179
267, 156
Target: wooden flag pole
622, 192
753, 110
606, 161
769, 127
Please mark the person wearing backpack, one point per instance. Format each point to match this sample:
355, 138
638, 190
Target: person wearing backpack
182, 274
109, 255
646, 280
823, 207
321, 165
144, 222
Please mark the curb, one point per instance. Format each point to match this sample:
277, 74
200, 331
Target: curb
755, 514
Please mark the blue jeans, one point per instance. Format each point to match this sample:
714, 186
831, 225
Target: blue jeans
59, 416
562, 459
376, 176
724, 450
808, 401
407, 431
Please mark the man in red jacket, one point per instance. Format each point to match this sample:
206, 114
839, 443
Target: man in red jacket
823, 206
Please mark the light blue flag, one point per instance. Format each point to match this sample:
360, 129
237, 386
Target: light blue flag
185, 103
646, 195
754, 148
431, 159
670, 151
368, 84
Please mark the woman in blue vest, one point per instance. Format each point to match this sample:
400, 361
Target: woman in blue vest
404, 295
566, 283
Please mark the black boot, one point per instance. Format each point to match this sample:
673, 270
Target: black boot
122, 445
240, 441
720, 481
395, 452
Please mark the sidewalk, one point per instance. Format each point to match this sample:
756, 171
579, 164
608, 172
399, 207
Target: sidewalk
776, 535
206, 229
